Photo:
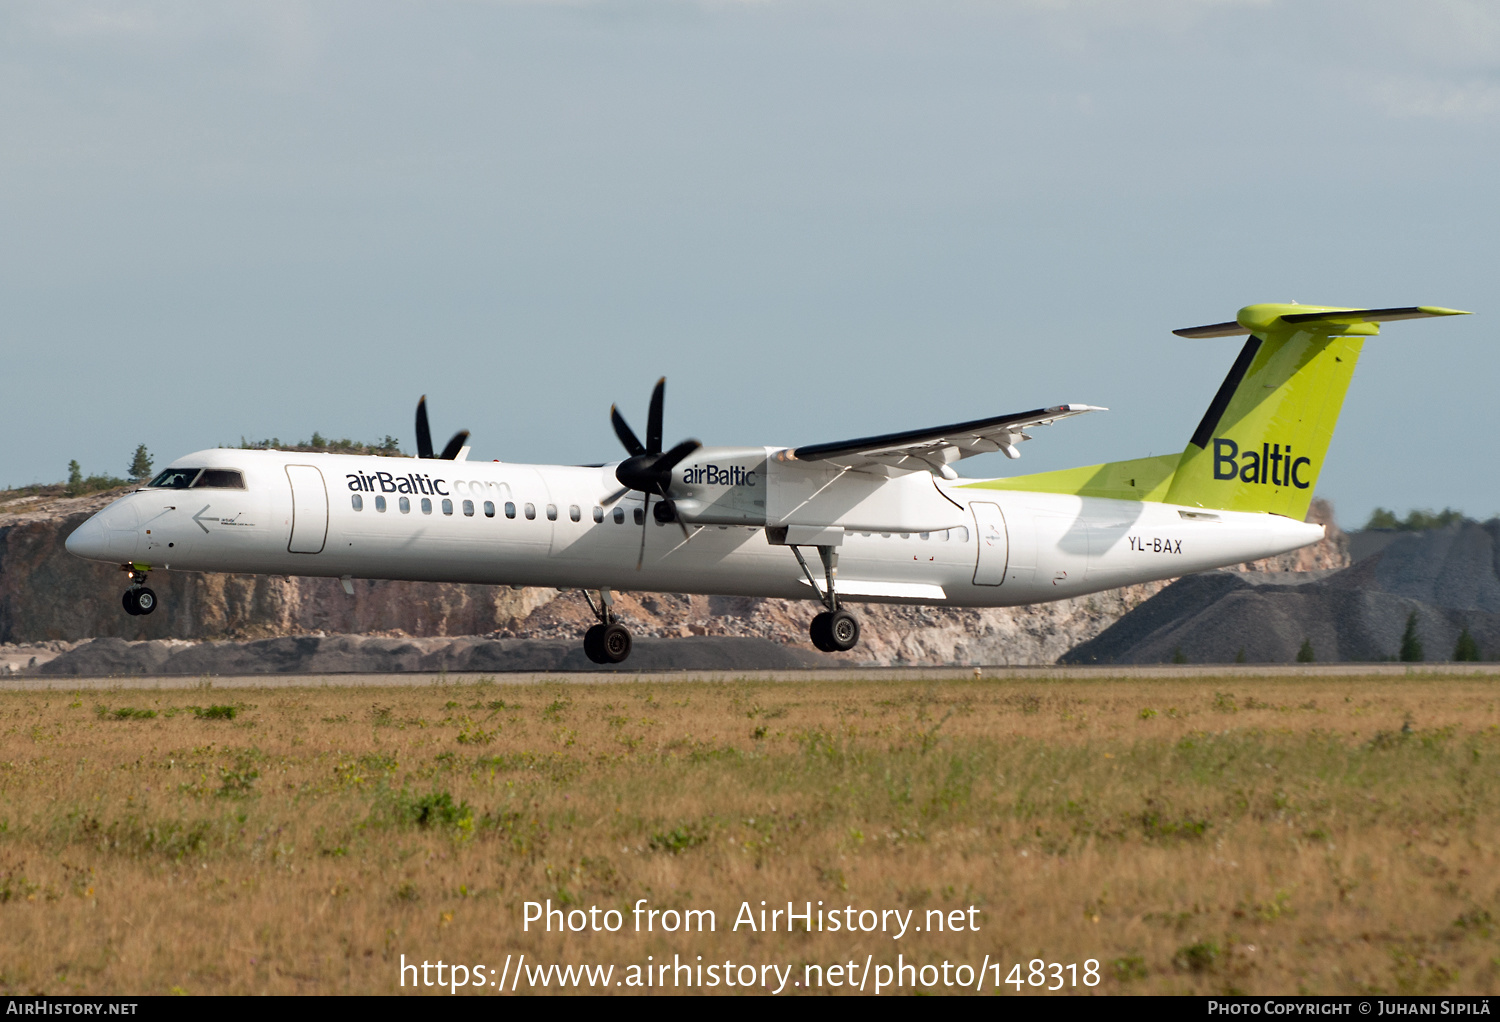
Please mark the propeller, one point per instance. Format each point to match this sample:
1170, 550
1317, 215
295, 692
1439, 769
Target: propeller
424, 437
648, 469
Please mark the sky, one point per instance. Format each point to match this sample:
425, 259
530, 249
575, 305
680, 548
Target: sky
819, 219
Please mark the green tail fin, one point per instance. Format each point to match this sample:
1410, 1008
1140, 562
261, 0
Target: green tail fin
1261, 445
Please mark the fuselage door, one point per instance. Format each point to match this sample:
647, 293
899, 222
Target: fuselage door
994, 544
309, 510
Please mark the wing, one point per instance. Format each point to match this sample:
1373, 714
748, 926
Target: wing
933, 449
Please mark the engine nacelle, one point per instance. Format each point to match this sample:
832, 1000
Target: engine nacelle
752, 486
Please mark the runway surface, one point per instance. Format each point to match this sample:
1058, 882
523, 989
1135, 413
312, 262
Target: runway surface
853, 674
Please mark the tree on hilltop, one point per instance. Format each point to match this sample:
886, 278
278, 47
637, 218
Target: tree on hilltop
140, 464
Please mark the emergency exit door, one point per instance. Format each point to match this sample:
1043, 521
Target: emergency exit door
994, 544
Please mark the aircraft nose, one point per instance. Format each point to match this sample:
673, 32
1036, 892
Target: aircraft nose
89, 540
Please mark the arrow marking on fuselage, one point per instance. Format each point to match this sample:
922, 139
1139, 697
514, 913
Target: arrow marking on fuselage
199, 517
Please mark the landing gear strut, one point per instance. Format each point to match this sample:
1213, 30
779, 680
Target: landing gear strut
138, 600
835, 630
607, 642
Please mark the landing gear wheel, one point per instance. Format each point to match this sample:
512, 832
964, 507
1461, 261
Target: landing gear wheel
593, 644
843, 631
145, 601
614, 643
835, 632
818, 631
131, 607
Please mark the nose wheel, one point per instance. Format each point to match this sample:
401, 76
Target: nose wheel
138, 599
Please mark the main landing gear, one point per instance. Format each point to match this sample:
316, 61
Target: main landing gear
138, 600
607, 642
835, 630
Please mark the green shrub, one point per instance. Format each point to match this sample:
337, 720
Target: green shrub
678, 839
1467, 649
1199, 957
1411, 646
435, 809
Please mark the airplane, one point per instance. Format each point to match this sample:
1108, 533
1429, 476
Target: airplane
881, 518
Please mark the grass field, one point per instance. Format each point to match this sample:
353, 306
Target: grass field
1326, 835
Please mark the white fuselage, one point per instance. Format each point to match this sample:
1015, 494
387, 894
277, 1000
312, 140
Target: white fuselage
318, 514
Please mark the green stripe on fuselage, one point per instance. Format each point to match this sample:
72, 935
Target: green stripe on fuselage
1137, 479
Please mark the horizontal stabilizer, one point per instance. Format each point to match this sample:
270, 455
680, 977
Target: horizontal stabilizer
1333, 317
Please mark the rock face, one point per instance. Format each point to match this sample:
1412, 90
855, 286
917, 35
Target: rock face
357, 654
48, 595
1449, 577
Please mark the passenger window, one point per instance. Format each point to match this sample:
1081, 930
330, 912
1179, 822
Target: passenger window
447, 506
357, 501
221, 478
404, 503
551, 512
906, 535
468, 509
640, 517
530, 512
380, 504
489, 509
510, 509
961, 533
427, 505
619, 516
575, 514
926, 535
176, 478
885, 535
598, 513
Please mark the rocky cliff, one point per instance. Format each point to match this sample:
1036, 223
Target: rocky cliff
47, 595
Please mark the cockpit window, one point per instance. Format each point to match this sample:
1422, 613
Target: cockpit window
176, 478
221, 479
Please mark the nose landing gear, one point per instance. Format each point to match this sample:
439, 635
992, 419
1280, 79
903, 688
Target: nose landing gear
138, 599
607, 642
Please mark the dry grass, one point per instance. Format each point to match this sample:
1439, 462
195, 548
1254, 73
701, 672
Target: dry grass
1268, 836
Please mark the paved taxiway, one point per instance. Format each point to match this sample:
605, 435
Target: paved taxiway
885, 674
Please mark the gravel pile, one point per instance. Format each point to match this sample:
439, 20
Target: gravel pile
1449, 577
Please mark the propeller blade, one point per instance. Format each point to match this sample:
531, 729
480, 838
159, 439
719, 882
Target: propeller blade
653, 417
454, 446
625, 433
645, 524
607, 501
424, 434
667, 462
